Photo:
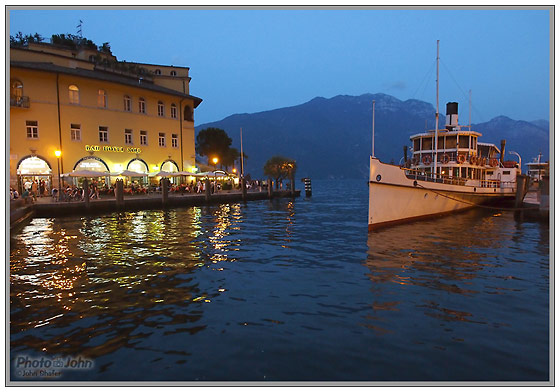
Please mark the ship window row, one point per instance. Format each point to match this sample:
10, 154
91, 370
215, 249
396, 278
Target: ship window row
102, 102
445, 142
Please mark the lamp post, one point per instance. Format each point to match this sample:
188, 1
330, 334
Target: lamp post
58, 154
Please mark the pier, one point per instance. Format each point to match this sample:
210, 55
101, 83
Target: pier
21, 211
536, 203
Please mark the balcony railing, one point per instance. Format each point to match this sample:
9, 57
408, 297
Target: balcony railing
20, 102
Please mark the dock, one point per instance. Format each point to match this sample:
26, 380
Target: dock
536, 203
22, 211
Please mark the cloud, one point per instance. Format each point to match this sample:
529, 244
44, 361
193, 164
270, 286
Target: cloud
398, 85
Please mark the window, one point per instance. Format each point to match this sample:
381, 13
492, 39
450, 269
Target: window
160, 109
127, 104
103, 134
142, 105
463, 141
173, 111
158, 72
128, 136
161, 139
174, 140
75, 132
102, 99
173, 73
32, 129
144, 138
506, 172
74, 94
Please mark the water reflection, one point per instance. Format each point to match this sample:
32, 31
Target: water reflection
461, 255
117, 279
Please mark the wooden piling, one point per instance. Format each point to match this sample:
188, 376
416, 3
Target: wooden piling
269, 188
207, 189
521, 183
244, 189
119, 192
164, 190
86, 192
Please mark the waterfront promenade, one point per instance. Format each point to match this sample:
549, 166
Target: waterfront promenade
45, 207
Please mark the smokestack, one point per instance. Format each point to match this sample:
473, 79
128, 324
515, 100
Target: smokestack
405, 154
502, 151
452, 117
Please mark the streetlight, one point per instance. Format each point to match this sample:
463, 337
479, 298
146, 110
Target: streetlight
215, 160
58, 154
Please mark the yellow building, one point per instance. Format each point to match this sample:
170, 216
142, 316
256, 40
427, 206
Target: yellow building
101, 114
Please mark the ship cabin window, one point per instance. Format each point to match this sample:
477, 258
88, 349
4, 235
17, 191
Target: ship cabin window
473, 142
463, 141
450, 142
490, 173
427, 143
506, 172
440, 142
417, 144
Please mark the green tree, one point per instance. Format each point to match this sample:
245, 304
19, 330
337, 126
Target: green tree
213, 142
279, 167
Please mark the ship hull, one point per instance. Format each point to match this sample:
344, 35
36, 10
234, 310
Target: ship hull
395, 198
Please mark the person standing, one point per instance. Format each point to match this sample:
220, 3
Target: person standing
34, 190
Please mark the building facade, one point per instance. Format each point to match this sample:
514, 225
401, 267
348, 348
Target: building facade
80, 109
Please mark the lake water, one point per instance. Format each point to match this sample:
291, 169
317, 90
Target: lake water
282, 290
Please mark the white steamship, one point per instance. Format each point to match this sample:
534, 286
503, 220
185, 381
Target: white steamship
450, 170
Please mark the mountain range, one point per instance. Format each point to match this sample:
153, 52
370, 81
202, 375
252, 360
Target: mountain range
331, 138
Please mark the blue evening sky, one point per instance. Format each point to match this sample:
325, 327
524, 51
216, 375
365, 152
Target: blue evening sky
246, 61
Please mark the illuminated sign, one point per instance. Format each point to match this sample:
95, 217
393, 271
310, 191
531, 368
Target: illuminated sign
133, 150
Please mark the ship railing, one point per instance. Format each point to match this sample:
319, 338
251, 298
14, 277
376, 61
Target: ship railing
419, 175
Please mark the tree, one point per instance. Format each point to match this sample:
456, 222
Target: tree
213, 142
279, 167
21, 40
231, 157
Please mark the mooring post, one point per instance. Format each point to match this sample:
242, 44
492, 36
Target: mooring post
544, 192
307, 184
292, 186
269, 188
207, 190
119, 192
244, 189
86, 192
164, 190
521, 182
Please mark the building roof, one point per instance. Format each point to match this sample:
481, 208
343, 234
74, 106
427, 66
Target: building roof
104, 76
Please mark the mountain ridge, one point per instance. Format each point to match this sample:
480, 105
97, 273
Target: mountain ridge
331, 137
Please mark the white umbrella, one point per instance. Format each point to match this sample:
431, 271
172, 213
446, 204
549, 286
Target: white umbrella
86, 173
129, 173
162, 173
184, 173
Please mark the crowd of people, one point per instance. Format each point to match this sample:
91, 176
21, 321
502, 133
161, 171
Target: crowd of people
33, 189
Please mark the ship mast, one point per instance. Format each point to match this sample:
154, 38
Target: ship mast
437, 111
